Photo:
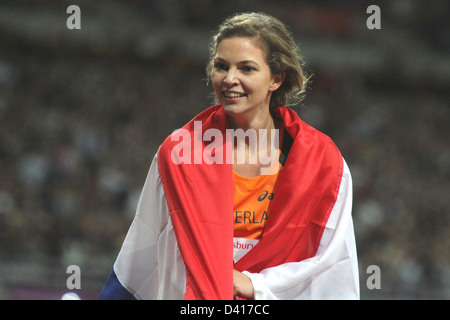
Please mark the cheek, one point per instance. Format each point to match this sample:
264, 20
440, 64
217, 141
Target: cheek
216, 80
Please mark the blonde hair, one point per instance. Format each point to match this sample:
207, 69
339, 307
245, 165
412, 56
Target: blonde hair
282, 54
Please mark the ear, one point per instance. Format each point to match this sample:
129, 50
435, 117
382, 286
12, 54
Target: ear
277, 81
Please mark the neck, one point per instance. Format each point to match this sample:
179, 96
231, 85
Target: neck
256, 145
250, 121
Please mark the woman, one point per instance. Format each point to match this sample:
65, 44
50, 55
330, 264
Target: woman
216, 220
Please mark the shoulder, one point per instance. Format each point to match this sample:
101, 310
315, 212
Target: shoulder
307, 137
212, 117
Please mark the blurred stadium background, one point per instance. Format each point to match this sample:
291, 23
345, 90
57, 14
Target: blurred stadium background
82, 113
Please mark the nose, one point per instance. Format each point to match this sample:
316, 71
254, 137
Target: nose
230, 78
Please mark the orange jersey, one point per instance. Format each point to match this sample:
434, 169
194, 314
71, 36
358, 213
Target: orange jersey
251, 201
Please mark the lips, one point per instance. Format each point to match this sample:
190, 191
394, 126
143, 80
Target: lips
233, 95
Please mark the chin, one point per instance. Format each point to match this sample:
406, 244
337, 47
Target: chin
233, 108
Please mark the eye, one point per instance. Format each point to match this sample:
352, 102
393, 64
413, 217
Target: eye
248, 69
220, 66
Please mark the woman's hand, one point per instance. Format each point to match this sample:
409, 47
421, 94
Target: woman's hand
243, 287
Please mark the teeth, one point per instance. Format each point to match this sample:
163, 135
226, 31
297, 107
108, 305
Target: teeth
233, 95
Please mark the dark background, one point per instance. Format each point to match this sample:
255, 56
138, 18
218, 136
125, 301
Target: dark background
82, 113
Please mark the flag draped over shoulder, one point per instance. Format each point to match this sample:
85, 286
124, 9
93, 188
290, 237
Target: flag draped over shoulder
199, 199
200, 202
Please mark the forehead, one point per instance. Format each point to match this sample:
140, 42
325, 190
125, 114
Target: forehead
241, 49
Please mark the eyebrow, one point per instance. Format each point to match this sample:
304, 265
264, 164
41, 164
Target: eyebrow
240, 62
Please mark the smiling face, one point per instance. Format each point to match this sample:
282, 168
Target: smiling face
242, 79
